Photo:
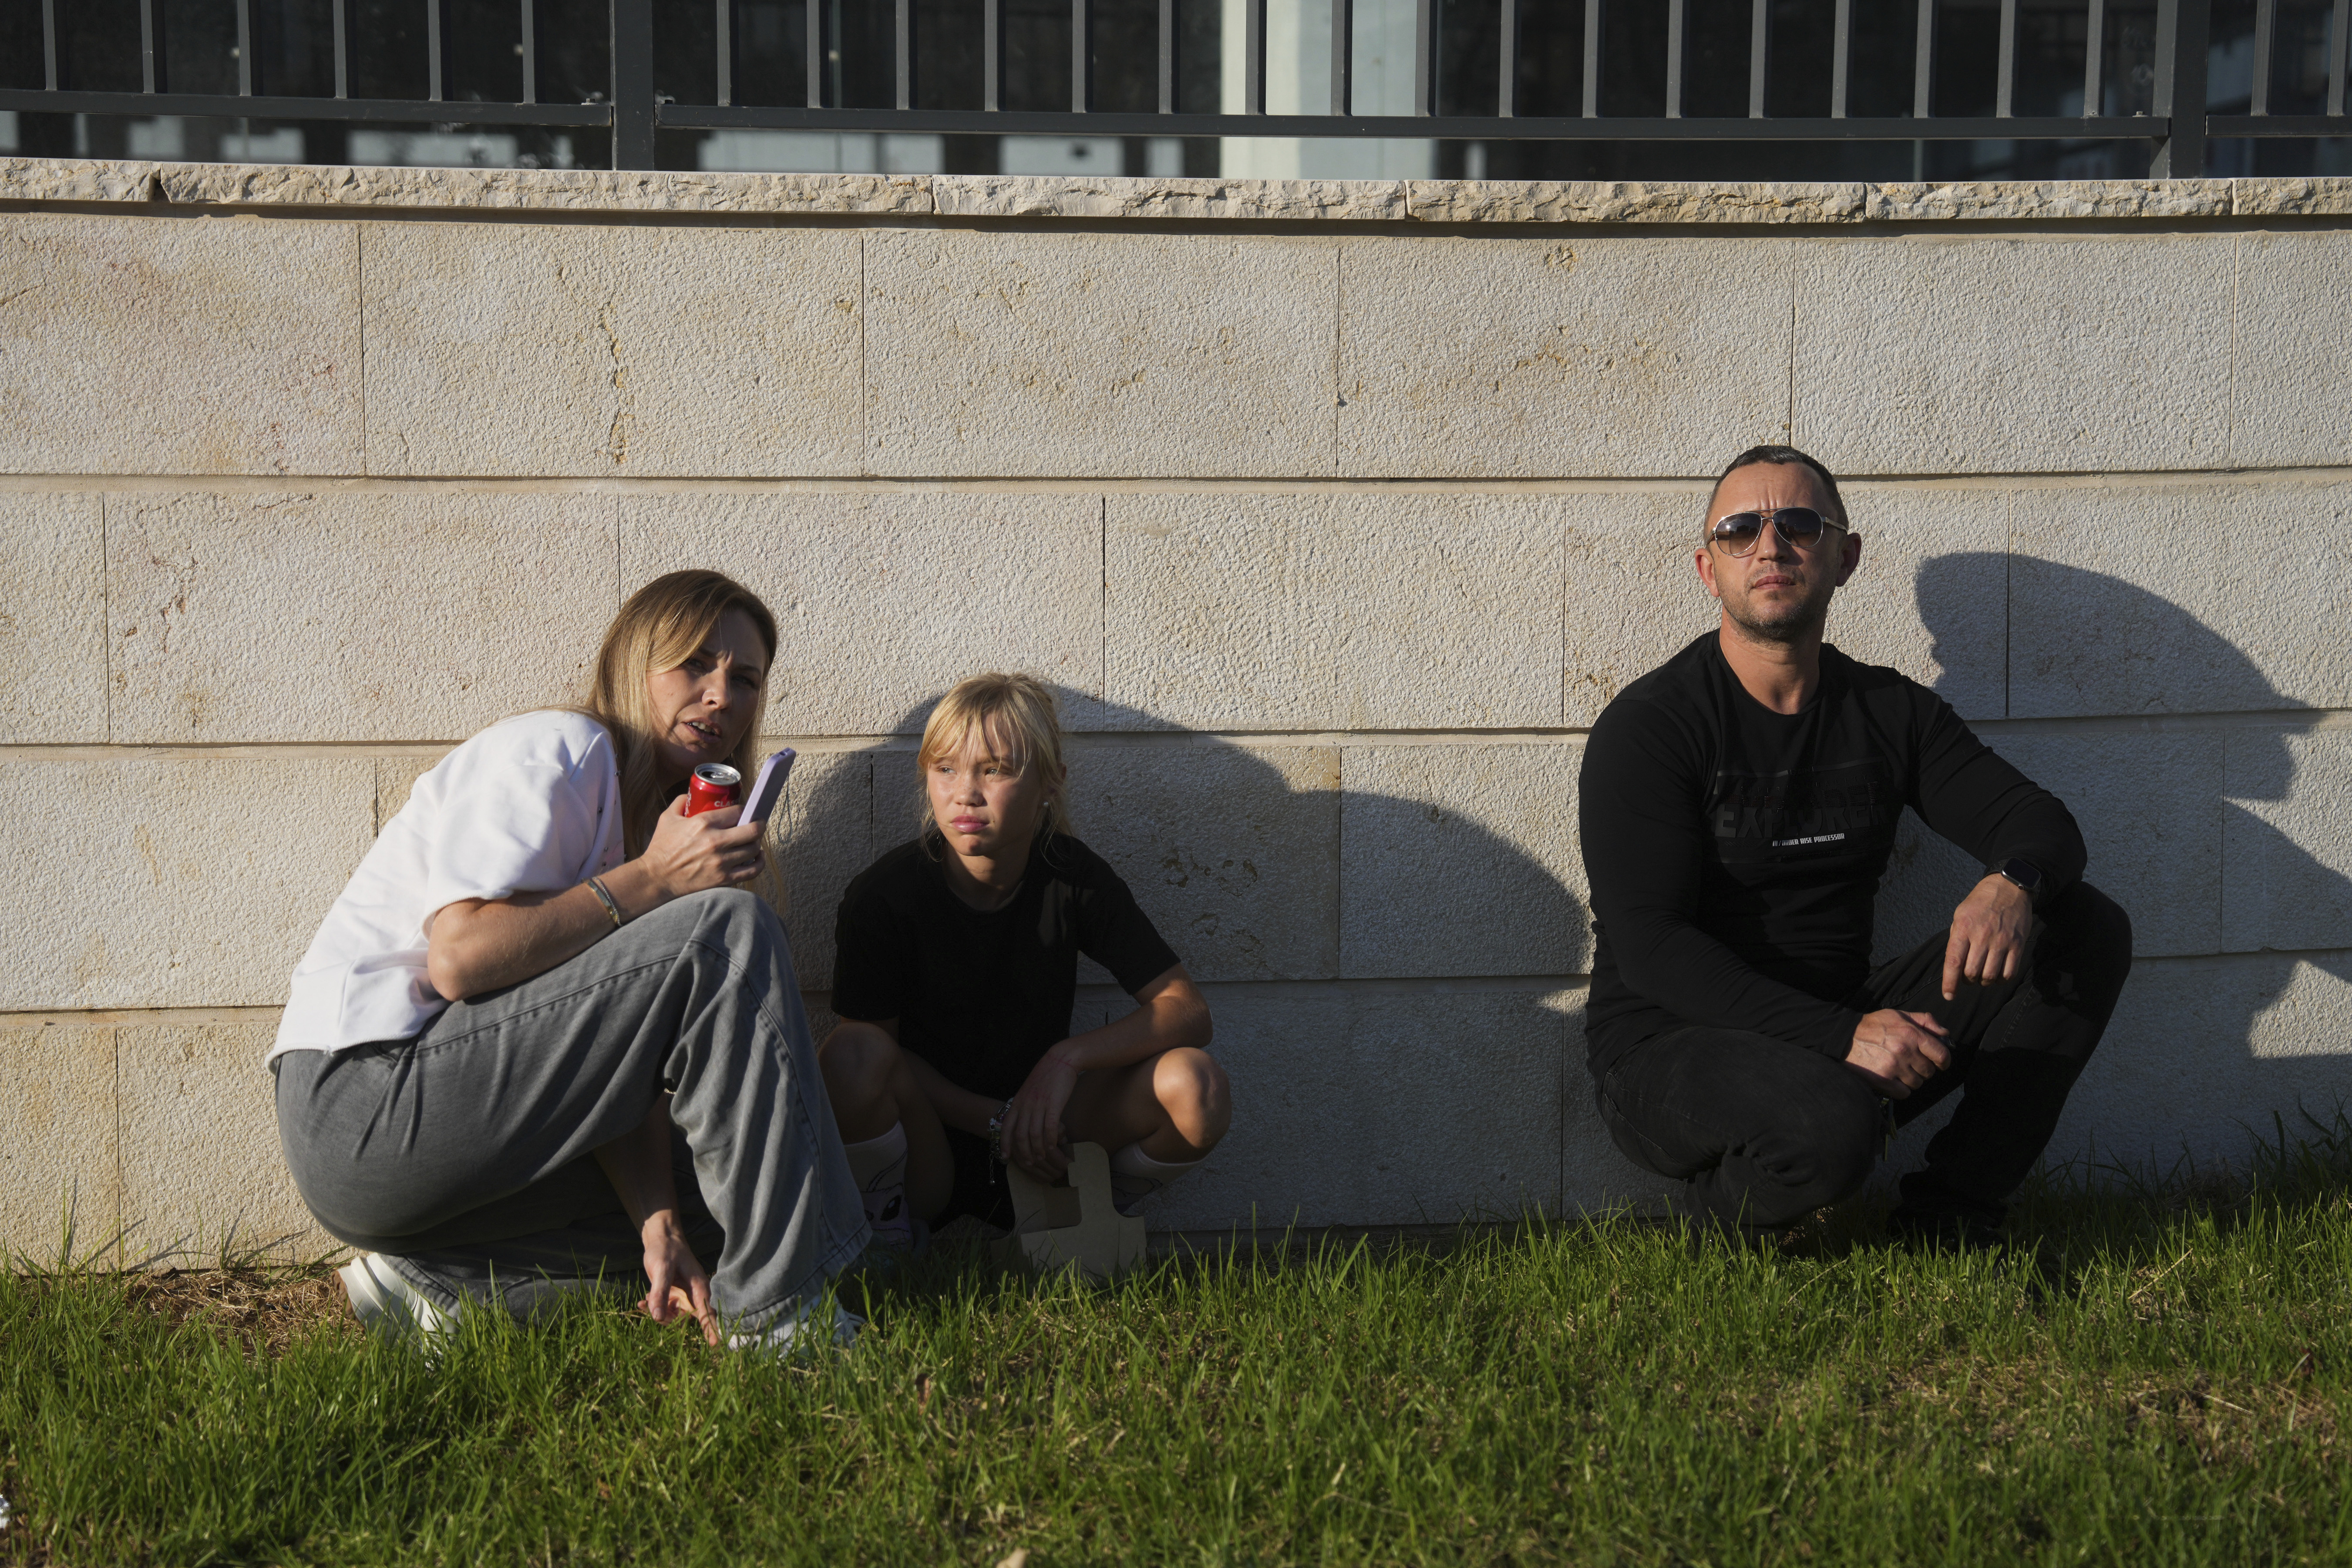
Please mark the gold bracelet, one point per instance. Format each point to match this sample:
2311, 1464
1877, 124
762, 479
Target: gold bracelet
597, 886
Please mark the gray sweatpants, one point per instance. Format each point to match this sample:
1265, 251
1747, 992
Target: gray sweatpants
472, 1144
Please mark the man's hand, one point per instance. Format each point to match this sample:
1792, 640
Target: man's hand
1898, 1051
1035, 1139
1990, 930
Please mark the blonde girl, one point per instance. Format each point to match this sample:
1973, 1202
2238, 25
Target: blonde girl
547, 1031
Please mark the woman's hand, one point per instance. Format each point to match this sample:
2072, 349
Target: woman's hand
679, 1285
1035, 1138
690, 854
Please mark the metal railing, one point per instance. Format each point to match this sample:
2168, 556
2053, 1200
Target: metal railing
634, 112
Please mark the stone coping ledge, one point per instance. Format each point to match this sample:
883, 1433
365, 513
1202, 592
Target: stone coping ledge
1033, 196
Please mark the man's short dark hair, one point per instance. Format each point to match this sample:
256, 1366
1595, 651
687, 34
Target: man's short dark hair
1784, 456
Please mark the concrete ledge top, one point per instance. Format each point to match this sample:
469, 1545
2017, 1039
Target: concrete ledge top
1028, 196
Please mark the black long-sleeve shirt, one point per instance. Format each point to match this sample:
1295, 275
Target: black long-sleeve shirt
1735, 853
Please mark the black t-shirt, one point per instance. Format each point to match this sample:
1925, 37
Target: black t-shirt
1735, 853
982, 996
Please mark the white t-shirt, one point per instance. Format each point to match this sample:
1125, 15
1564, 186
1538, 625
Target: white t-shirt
529, 805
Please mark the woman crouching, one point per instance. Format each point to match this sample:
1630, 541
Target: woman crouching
955, 975
543, 967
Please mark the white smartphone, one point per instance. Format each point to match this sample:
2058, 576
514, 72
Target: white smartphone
768, 788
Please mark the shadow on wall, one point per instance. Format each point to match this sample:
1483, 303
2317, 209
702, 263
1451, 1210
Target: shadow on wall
2199, 826
1386, 934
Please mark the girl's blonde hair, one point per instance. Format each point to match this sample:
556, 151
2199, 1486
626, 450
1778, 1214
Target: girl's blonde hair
1017, 718
661, 626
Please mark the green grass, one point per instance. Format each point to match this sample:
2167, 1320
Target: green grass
2165, 1382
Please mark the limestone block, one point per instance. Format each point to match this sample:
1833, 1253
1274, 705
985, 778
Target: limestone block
56, 1141
821, 837
344, 616
2100, 623
1607, 201
885, 601
133, 347
2047, 200
2149, 805
2202, 1053
1593, 357
548, 349
2291, 405
1081, 195
2292, 197
1400, 609
77, 180
1461, 860
1377, 1105
1120, 354
543, 190
1633, 598
1232, 852
202, 1172
1931, 596
52, 619
2286, 837
186, 883
1929, 354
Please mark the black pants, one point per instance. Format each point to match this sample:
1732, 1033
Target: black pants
1761, 1132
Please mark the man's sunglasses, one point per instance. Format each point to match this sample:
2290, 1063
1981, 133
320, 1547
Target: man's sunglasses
1799, 525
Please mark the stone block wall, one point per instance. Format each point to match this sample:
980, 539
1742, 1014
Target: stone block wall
1336, 512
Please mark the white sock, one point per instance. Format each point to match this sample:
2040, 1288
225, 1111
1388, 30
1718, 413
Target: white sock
879, 1167
1135, 1176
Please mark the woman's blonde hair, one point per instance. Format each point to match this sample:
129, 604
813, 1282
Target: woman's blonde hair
1018, 720
661, 626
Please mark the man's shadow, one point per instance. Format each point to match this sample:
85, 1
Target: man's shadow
1391, 938
2241, 933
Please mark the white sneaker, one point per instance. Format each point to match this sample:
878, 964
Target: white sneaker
798, 1331
388, 1304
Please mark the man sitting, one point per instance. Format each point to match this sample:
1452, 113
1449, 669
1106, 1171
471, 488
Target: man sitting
1737, 805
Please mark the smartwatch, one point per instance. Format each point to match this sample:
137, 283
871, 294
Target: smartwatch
2024, 873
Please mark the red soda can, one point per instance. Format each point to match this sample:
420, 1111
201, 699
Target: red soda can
714, 785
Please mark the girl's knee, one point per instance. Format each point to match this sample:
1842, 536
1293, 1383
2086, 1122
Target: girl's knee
857, 1060
1192, 1088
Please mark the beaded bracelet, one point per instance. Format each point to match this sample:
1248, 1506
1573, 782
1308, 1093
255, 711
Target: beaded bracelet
996, 1133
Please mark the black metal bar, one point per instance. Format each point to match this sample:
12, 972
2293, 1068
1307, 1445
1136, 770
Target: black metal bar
2277, 125
2183, 28
1592, 58
2004, 92
2094, 57
1842, 57
1254, 55
1759, 51
1923, 62
723, 36
1343, 54
2265, 49
1167, 57
343, 54
633, 83
902, 64
1480, 128
376, 111
49, 43
1677, 48
431, 48
245, 50
153, 69
2340, 58
1507, 68
529, 51
1082, 50
991, 55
